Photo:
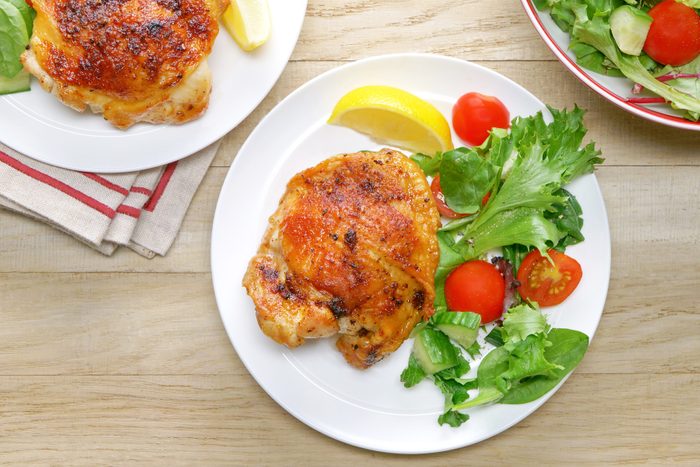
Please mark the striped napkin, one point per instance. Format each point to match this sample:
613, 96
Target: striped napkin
139, 210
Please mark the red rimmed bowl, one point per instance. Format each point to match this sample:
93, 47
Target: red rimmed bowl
616, 90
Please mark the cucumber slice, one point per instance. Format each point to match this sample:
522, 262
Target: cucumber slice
462, 327
630, 26
434, 351
19, 83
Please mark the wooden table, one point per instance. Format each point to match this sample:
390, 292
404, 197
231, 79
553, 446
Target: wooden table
125, 360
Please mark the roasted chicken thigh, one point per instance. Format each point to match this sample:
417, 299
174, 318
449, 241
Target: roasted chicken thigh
131, 60
351, 249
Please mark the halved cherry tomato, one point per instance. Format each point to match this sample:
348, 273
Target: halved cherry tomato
442, 206
476, 286
674, 36
475, 114
546, 283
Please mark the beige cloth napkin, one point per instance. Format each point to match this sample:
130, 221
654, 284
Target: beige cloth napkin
139, 210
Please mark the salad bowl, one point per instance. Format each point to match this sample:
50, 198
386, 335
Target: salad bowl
615, 89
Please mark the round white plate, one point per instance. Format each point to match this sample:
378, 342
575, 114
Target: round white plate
614, 89
370, 408
36, 124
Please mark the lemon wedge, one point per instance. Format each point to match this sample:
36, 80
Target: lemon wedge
394, 117
248, 22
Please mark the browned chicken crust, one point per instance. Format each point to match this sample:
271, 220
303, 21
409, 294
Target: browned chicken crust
133, 60
351, 249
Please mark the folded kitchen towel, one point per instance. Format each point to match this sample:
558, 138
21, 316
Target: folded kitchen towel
140, 210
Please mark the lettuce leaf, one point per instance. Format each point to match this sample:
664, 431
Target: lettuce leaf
592, 59
522, 321
690, 86
453, 418
465, 178
568, 217
526, 360
13, 39
413, 373
498, 147
565, 350
516, 253
428, 164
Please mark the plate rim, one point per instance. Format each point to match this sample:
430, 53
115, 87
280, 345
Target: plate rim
214, 260
592, 83
177, 155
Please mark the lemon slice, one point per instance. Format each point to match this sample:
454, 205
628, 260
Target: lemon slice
394, 117
248, 22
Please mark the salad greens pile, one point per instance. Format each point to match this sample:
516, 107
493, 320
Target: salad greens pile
16, 23
529, 360
523, 171
595, 48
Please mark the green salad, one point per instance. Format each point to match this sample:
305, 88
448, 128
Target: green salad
16, 23
656, 44
520, 174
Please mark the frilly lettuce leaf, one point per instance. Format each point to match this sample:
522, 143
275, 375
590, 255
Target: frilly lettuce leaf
548, 157
522, 321
526, 359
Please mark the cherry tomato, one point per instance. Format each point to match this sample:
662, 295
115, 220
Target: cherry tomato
546, 283
442, 206
674, 36
475, 114
476, 286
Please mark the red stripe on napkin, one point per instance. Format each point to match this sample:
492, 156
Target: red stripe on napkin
57, 184
142, 190
106, 183
160, 188
129, 211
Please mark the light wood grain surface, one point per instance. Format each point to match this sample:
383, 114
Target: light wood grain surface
123, 360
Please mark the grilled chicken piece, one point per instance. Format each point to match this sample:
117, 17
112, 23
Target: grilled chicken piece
131, 60
351, 249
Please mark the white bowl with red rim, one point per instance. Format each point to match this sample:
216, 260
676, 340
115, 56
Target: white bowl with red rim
615, 89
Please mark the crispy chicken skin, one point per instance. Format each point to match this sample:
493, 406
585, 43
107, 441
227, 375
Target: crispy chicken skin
351, 249
131, 60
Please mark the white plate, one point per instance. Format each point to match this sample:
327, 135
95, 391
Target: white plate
614, 89
370, 408
36, 124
